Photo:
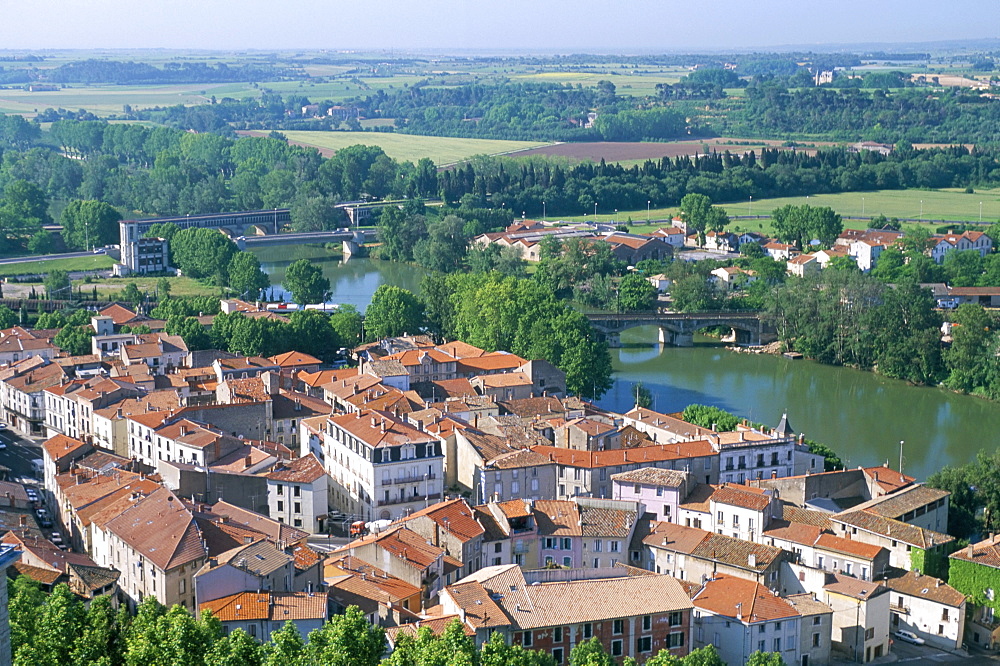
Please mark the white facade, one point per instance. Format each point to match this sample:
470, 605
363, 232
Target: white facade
302, 505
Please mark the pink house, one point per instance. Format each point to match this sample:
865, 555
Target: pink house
659, 490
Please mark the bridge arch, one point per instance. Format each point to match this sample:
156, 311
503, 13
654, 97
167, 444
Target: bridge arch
678, 328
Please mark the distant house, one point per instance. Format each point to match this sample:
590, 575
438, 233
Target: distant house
722, 241
780, 251
968, 240
673, 236
803, 265
660, 282
732, 278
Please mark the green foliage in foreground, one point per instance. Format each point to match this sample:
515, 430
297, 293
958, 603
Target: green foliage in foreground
57, 630
710, 417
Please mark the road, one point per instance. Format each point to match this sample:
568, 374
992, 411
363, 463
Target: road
47, 257
19, 453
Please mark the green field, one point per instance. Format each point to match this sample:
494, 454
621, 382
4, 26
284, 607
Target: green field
97, 262
411, 147
937, 205
179, 286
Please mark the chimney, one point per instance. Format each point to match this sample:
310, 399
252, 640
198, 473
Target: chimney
248, 461
184, 430
968, 551
298, 405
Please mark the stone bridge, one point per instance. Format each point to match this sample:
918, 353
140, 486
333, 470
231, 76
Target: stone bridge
678, 328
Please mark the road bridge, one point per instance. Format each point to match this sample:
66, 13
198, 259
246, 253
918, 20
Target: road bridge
750, 328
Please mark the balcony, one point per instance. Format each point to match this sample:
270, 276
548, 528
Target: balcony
410, 499
899, 608
409, 479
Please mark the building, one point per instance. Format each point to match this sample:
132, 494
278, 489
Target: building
8, 556
968, 240
975, 572
803, 265
157, 546
633, 614
261, 613
910, 547
298, 494
257, 566
929, 607
741, 617
860, 616
22, 393
381, 467
732, 278
661, 491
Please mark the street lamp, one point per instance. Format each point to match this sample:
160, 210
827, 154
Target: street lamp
980, 211
595, 212
921, 209
647, 211
862, 206
750, 207
616, 216
543, 211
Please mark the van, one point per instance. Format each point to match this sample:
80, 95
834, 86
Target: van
37, 466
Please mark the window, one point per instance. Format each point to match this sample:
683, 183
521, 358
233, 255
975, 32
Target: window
616, 648
567, 543
297, 491
567, 561
675, 640
817, 620
614, 546
515, 488
777, 626
676, 618
617, 627
721, 519
281, 490
636, 488
869, 633
944, 615
597, 545
183, 585
298, 507
848, 567
534, 484
588, 630
497, 547
526, 638
761, 646
815, 640
647, 623
550, 543
557, 655
777, 645
940, 629
281, 505
557, 635
659, 492
645, 644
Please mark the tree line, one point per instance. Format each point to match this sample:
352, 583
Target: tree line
57, 629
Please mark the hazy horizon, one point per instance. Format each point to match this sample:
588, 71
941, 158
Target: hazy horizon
580, 26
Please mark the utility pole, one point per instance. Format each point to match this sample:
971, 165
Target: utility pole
900, 456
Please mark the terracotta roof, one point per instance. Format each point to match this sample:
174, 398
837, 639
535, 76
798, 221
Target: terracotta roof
736, 552
557, 518
698, 498
376, 428
489, 447
43, 576
321, 377
853, 587
503, 380
745, 600
799, 533
459, 349
61, 446
118, 314
653, 476
436, 625
915, 584
455, 516
406, 545
274, 530
414, 357
273, 606
746, 497
490, 362
516, 508
94, 577
638, 455
526, 408
887, 478
175, 540
294, 405
903, 501
367, 579
305, 557
294, 359
260, 558
518, 459
893, 529
797, 514
529, 606
848, 546
986, 552
301, 470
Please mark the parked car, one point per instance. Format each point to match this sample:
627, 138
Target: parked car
56, 538
909, 637
2, 446
100, 250
45, 522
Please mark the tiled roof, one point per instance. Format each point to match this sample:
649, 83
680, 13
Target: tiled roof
490, 362
518, 459
273, 606
305, 557
800, 533
294, 405
161, 529
527, 408
492, 531
294, 359
566, 602
736, 552
742, 599
887, 478
383, 368
406, 545
653, 476
481, 611
986, 552
848, 546
638, 455
504, 380
605, 522
274, 530
915, 584
43, 576
742, 496
698, 498
459, 349
797, 514
368, 578
436, 625
377, 428
893, 529
61, 446
852, 587
260, 558
301, 470
118, 314
516, 508
806, 605
93, 577
903, 501
455, 516
489, 447
557, 518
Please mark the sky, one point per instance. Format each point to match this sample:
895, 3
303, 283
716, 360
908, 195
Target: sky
577, 26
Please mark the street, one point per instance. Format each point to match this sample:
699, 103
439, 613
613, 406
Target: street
18, 455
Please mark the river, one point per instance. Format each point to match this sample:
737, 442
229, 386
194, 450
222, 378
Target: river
859, 414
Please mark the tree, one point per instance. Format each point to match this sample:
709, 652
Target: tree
350, 640
163, 288
101, 641
759, 658
316, 213
347, 324
203, 253
306, 282
590, 653
801, 224
696, 211
973, 333
41, 243
643, 396
191, 331
708, 416
635, 293
392, 312
131, 294
245, 275
237, 649
444, 247
8, 317
74, 339
57, 284
88, 224
24, 210
312, 333
399, 231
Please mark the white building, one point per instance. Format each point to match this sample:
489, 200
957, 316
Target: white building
928, 607
297, 494
380, 467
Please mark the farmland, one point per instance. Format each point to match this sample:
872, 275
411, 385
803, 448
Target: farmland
952, 205
94, 263
410, 147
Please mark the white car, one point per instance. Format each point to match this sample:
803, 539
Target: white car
3, 426
56, 538
100, 250
909, 637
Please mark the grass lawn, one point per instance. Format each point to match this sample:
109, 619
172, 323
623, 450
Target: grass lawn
951, 204
179, 286
411, 147
96, 262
